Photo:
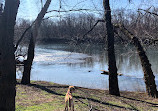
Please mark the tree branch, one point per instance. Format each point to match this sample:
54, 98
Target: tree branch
75, 10
22, 36
93, 27
37, 22
149, 12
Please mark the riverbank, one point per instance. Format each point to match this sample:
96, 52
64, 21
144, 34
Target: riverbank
46, 96
146, 42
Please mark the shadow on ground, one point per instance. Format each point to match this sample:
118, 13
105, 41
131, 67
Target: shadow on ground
50, 89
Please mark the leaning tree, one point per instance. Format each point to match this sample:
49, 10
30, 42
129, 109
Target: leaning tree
34, 34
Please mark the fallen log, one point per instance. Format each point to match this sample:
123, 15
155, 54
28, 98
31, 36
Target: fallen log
107, 73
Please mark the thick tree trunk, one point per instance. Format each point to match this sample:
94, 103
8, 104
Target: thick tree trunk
113, 80
7, 59
35, 29
149, 77
28, 62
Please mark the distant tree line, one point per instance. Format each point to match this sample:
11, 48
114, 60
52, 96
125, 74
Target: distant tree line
74, 26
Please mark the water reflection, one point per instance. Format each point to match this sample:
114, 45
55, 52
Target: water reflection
80, 66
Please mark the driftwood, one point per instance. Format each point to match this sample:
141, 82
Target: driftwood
107, 73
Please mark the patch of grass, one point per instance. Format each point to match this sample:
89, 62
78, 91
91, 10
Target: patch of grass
51, 106
46, 96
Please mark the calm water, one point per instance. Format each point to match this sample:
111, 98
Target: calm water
81, 66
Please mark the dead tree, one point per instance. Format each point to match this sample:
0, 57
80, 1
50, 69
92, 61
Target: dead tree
113, 80
149, 77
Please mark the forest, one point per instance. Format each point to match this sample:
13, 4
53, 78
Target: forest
82, 55
74, 26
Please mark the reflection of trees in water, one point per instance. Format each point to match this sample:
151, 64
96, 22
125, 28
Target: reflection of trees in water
128, 60
131, 84
97, 52
152, 54
88, 62
126, 57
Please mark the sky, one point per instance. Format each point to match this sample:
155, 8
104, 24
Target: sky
134, 4
30, 8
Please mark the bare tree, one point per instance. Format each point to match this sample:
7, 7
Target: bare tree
34, 35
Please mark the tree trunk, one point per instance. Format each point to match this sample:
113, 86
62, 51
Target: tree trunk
7, 58
1, 9
113, 80
149, 77
28, 62
35, 29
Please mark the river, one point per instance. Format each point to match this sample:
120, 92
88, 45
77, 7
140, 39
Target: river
82, 65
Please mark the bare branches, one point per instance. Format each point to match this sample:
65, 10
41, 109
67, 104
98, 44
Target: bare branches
82, 39
149, 77
116, 32
124, 30
22, 36
147, 11
93, 27
73, 10
37, 22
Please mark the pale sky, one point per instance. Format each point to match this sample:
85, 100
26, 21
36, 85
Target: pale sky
30, 8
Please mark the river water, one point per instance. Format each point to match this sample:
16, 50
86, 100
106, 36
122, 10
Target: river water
82, 65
